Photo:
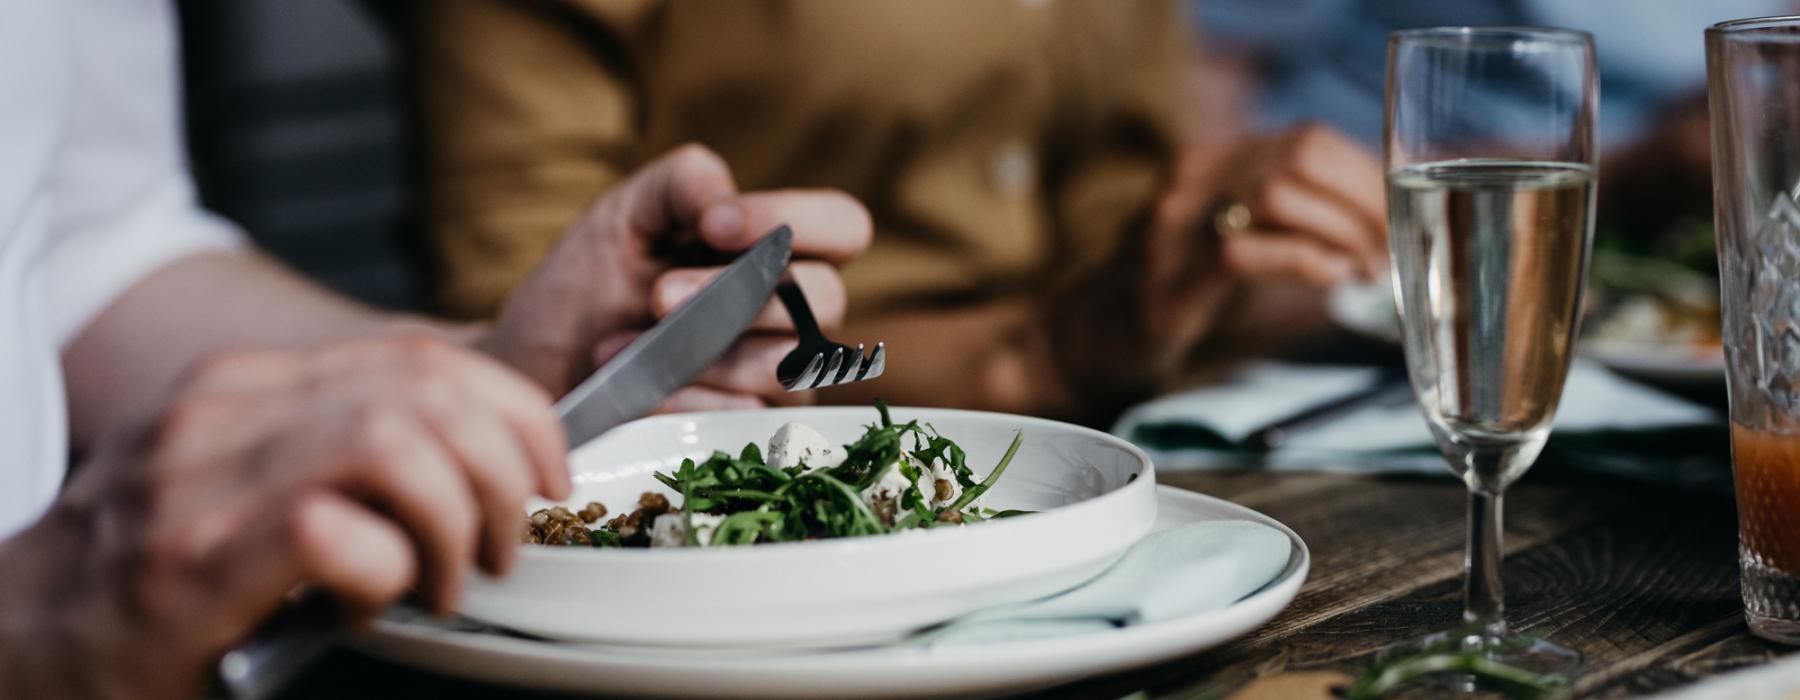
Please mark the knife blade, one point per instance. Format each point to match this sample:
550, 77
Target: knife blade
671, 354
663, 359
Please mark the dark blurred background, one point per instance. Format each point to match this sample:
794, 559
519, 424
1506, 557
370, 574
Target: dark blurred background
300, 130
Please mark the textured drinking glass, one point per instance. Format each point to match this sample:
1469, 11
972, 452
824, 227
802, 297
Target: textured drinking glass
1490, 180
1753, 77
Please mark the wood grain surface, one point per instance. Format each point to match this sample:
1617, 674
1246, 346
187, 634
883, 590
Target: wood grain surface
1641, 580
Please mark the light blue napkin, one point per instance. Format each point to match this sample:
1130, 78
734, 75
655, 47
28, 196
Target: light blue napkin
1181, 571
1203, 428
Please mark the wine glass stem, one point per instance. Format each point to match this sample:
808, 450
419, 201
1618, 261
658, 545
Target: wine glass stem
1484, 605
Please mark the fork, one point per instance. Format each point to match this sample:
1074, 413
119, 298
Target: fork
817, 362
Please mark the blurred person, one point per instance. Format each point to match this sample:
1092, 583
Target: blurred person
1326, 60
1048, 239
240, 432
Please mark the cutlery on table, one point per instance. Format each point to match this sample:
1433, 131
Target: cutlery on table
1388, 383
663, 359
818, 362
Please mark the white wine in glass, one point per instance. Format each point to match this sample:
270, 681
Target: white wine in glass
1491, 281
1490, 177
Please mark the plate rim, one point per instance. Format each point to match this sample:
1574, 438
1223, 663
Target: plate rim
985, 668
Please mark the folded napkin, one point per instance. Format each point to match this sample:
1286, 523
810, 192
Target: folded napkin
1180, 571
1602, 417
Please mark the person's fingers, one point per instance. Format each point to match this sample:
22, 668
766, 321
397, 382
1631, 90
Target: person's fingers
321, 538
610, 346
525, 408
696, 398
395, 463
1343, 169
499, 474
1284, 203
820, 282
674, 190
825, 295
1269, 254
749, 366
827, 224
435, 364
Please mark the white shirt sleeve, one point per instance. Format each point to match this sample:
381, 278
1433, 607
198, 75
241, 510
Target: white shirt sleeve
122, 200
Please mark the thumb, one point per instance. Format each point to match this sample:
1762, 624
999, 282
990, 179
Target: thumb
672, 191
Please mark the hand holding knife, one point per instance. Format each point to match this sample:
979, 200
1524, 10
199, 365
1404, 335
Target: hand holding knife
631, 385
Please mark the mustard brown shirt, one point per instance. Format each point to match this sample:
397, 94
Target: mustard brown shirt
1002, 146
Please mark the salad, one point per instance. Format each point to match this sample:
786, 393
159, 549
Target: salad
1661, 291
896, 477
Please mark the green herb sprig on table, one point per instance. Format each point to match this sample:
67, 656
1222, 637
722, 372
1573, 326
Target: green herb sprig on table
1394, 673
762, 504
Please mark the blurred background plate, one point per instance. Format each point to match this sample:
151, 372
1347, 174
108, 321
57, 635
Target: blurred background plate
1678, 363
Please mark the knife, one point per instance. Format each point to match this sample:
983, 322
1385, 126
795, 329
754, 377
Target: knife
671, 354
1388, 382
665, 358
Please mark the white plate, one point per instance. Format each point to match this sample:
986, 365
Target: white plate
1095, 493
878, 672
1368, 310
1680, 365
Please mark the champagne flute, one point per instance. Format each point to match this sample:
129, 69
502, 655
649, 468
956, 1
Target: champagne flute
1490, 179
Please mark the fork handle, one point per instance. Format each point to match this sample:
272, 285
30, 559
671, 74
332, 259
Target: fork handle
279, 650
795, 302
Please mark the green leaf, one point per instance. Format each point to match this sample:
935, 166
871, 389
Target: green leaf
1388, 676
972, 493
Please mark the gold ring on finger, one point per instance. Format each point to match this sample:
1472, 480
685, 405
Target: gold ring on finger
1232, 219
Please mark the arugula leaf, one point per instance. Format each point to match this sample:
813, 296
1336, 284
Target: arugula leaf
970, 494
1392, 674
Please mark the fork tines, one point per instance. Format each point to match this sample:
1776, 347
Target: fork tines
843, 366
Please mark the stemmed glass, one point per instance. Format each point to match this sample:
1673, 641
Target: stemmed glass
1490, 179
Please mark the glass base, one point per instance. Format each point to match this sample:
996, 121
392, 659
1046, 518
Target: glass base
1771, 601
1774, 629
1472, 660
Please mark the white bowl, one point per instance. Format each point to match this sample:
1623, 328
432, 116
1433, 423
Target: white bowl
1094, 492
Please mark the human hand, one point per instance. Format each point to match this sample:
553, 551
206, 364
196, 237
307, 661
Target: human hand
362, 470
610, 277
1308, 206
1305, 204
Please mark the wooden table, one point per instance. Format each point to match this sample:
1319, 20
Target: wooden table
1641, 580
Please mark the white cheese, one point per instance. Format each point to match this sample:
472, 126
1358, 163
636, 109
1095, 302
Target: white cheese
892, 486
887, 491
670, 531
796, 443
